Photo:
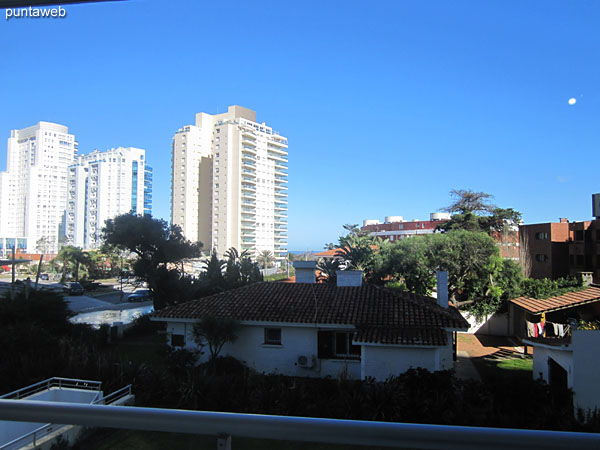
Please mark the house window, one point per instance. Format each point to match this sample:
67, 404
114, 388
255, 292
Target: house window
598, 235
541, 258
579, 260
177, 340
337, 344
542, 236
273, 336
579, 235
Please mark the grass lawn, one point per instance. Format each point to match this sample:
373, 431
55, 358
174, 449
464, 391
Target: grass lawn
149, 440
517, 364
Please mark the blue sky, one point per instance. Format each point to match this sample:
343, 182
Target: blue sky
387, 105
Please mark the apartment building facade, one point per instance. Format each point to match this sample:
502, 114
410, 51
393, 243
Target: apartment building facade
229, 183
554, 250
33, 189
395, 227
102, 185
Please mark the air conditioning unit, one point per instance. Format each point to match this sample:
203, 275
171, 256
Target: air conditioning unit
306, 361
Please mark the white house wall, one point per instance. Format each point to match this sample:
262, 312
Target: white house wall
563, 358
581, 366
379, 362
586, 387
249, 348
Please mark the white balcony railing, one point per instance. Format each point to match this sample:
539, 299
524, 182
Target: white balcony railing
351, 432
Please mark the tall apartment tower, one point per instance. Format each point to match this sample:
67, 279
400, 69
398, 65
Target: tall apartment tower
33, 190
103, 185
229, 183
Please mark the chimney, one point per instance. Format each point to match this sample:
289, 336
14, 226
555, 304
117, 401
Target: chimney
349, 278
564, 220
442, 288
305, 271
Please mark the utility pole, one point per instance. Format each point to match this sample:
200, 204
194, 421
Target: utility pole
12, 285
121, 277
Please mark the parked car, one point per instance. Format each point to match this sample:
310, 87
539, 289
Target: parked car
73, 288
142, 295
44, 276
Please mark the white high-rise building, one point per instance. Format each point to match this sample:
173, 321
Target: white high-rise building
103, 185
229, 183
33, 190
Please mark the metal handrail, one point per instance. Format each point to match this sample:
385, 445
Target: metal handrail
113, 396
306, 429
32, 434
98, 399
53, 382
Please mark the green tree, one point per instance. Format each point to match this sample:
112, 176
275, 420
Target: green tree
411, 261
215, 332
468, 257
472, 211
155, 245
213, 276
467, 201
329, 246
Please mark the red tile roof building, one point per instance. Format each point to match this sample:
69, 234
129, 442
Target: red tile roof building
317, 330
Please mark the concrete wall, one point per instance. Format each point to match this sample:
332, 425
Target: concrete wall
381, 362
494, 325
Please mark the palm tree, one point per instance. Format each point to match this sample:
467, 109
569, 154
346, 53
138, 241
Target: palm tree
356, 251
329, 246
72, 257
265, 258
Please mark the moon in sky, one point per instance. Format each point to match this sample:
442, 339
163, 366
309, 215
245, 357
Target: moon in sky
572, 101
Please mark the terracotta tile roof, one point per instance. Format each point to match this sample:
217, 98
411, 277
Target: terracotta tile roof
327, 253
334, 252
402, 336
568, 300
364, 307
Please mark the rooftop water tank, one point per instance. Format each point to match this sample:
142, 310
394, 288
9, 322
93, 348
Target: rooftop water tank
393, 219
370, 222
439, 216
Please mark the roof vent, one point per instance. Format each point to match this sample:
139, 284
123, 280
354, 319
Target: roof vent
349, 278
305, 271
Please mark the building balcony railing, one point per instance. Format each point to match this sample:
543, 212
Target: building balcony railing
330, 431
